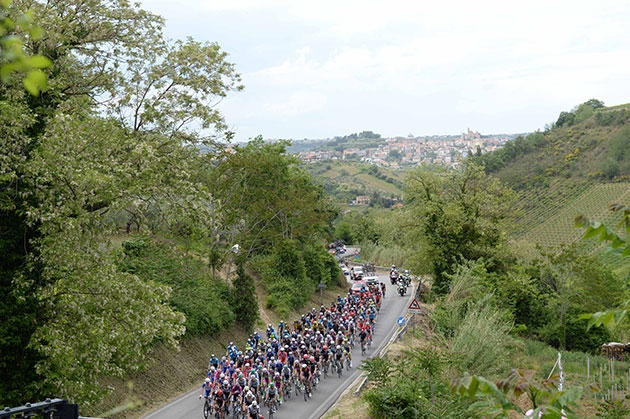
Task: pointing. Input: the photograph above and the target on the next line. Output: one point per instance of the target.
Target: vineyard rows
(558, 227)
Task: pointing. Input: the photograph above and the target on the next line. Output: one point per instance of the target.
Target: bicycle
(237, 409)
(305, 388)
(287, 390)
(363, 348)
(272, 407)
(339, 368)
(220, 413)
(325, 368)
(207, 408)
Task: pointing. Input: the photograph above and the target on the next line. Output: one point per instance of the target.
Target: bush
(286, 294)
(204, 302)
(284, 275)
(408, 397)
(243, 298)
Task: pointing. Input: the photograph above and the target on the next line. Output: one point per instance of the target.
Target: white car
(356, 273)
(371, 278)
(345, 270)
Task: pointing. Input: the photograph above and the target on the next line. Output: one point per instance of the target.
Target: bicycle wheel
(206, 409)
(305, 394)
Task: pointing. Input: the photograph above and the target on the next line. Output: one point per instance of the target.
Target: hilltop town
(398, 152)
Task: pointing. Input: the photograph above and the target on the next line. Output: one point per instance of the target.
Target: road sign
(321, 285)
(414, 307)
(401, 321)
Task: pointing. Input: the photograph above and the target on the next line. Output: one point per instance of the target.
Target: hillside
(573, 168)
(346, 180)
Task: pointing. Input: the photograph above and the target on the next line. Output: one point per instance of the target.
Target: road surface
(189, 406)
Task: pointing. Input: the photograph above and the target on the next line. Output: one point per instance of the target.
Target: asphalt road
(189, 406)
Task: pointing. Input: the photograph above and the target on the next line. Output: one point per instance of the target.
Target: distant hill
(346, 180)
(579, 166)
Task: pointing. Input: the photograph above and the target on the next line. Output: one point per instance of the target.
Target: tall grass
(482, 341)
(383, 255)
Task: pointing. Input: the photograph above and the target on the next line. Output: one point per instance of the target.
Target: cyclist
(236, 393)
(305, 376)
(338, 357)
(248, 399)
(272, 394)
(277, 382)
(253, 411)
(347, 352)
(219, 403)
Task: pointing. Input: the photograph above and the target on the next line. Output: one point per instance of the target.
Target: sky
(324, 68)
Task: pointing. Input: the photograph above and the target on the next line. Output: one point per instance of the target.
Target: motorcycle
(393, 277)
(402, 289)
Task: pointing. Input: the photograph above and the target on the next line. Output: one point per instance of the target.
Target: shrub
(204, 302)
(243, 298)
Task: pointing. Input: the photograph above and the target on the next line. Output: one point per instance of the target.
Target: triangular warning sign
(414, 305)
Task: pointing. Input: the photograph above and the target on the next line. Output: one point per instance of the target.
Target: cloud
(296, 103)
(415, 65)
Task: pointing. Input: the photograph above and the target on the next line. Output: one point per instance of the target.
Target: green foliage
(579, 113)
(288, 261)
(263, 197)
(404, 390)
(619, 245)
(618, 161)
(613, 409)
(482, 340)
(492, 399)
(243, 299)
(204, 302)
(68, 163)
(511, 151)
(453, 216)
(320, 265)
(12, 54)
(575, 282)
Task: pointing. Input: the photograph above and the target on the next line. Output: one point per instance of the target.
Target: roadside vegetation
(127, 220)
(512, 280)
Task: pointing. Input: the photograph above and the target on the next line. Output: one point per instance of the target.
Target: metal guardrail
(48, 409)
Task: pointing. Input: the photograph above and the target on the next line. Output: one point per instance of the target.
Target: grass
(539, 357)
(356, 176)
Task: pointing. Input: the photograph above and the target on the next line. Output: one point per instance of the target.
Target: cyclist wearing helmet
(206, 388)
(305, 375)
(253, 411)
(277, 381)
(248, 399)
(220, 403)
(272, 394)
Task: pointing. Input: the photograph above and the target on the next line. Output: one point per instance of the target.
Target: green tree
(109, 134)
(453, 216)
(263, 196)
(244, 301)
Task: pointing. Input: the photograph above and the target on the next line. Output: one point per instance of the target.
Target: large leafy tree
(264, 197)
(453, 216)
(114, 131)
